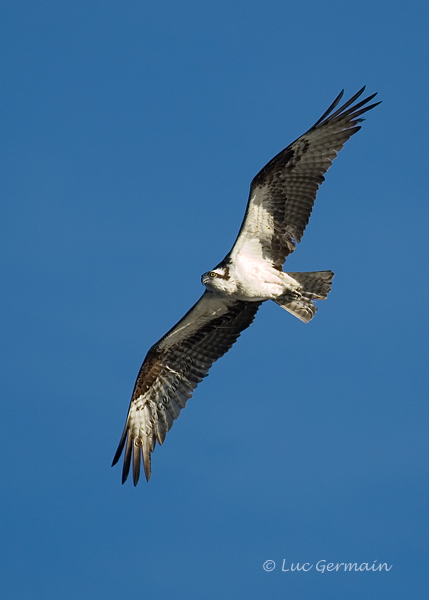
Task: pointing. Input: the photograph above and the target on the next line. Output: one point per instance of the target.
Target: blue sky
(130, 134)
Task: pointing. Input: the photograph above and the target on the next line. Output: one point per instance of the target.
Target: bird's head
(217, 280)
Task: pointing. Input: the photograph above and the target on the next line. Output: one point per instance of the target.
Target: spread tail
(315, 285)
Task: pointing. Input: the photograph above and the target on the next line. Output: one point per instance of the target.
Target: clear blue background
(130, 133)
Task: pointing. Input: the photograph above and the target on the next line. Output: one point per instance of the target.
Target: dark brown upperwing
(287, 186)
(172, 370)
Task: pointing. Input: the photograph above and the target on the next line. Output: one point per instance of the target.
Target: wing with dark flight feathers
(173, 368)
(283, 193)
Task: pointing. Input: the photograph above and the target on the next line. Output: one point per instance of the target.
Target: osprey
(280, 203)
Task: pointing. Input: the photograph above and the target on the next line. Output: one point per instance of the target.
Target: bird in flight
(280, 202)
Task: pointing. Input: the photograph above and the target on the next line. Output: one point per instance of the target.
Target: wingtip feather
(136, 461)
(346, 108)
(147, 458)
(120, 446)
(127, 459)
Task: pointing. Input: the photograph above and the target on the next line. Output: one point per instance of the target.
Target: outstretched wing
(173, 368)
(283, 193)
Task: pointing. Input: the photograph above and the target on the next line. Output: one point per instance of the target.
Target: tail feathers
(302, 308)
(315, 285)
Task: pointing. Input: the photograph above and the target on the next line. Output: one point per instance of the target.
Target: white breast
(255, 278)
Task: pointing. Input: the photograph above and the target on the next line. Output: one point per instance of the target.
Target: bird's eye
(212, 274)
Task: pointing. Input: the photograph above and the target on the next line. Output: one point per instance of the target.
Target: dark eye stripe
(225, 275)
